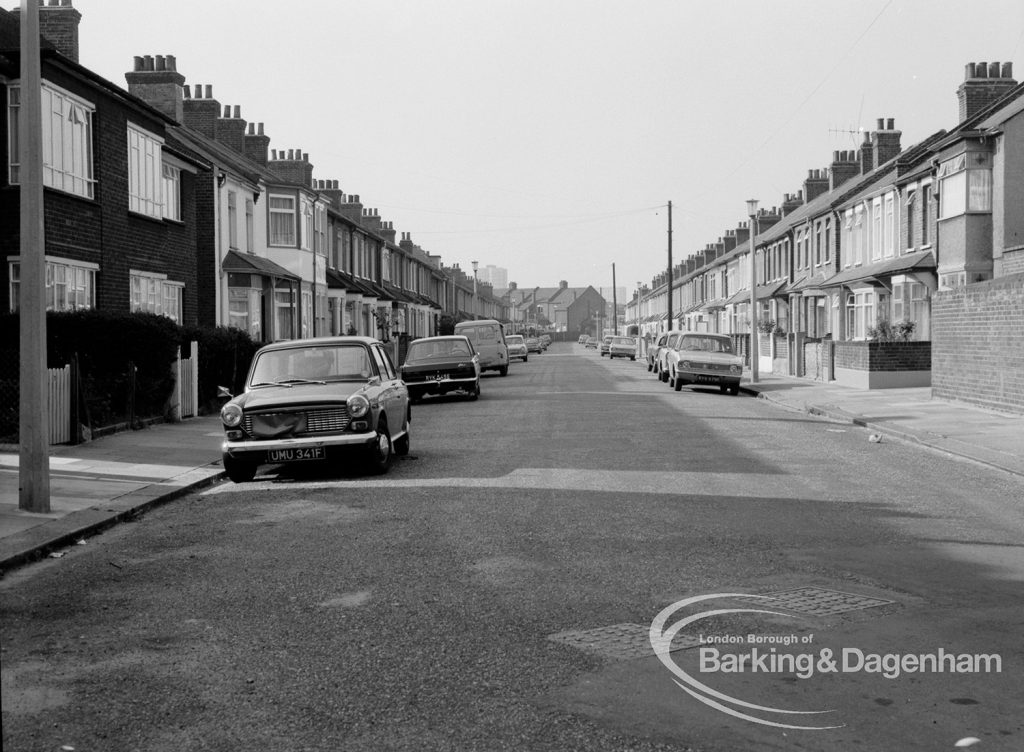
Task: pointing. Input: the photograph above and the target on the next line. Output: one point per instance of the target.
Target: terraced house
(159, 198)
(851, 269)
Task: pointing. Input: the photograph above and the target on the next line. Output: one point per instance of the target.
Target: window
(889, 225)
(172, 192)
(155, 293)
(285, 315)
(70, 285)
(965, 185)
(232, 220)
(145, 183)
(925, 214)
(320, 229)
(248, 225)
(282, 220)
(859, 313)
(877, 229)
(244, 293)
(66, 140)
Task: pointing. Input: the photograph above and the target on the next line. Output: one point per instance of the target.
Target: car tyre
(474, 393)
(239, 471)
(734, 389)
(503, 371)
(650, 367)
(632, 357)
(526, 360)
(379, 452)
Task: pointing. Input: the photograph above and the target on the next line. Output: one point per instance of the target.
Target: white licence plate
(295, 454)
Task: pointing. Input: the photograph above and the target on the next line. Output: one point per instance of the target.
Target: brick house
(119, 194)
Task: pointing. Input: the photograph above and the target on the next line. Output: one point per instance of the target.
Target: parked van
(488, 338)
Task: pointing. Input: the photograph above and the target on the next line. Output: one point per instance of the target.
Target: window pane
(979, 190)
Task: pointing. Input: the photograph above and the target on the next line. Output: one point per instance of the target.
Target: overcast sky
(547, 136)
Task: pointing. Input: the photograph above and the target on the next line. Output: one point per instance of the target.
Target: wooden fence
(186, 384)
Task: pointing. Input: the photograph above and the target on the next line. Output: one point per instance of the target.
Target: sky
(548, 136)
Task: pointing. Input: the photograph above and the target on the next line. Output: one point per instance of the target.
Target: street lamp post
(476, 265)
(752, 213)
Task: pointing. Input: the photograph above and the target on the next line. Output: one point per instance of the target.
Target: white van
(488, 338)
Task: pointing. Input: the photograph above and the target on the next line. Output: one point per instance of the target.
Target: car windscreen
(437, 349)
(314, 363)
(622, 341)
(706, 344)
(514, 339)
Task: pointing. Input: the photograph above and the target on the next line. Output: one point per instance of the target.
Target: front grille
(311, 421)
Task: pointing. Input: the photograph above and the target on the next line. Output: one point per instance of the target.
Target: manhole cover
(618, 641)
(822, 602)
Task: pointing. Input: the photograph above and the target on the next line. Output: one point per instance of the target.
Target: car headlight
(684, 364)
(734, 368)
(358, 405)
(231, 414)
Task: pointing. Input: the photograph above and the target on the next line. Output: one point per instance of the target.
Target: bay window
(69, 285)
(282, 220)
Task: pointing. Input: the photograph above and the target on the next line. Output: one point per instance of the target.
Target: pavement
(114, 478)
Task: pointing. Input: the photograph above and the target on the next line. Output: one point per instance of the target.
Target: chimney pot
(981, 70)
(1007, 70)
(969, 71)
(160, 63)
(227, 110)
(138, 63)
(890, 124)
(209, 91)
(238, 111)
(259, 129)
(147, 62)
(172, 62)
(993, 70)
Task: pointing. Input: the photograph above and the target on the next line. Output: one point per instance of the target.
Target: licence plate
(704, 378)
(295, 454)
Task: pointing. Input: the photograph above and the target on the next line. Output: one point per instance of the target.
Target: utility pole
(615, 304)
(668, 324)
(33, 455)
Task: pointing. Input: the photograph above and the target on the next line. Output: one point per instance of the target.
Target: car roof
(318, 341)
(460, 337)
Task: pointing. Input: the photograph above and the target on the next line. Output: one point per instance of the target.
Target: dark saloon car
(439, 365)
(317, 399)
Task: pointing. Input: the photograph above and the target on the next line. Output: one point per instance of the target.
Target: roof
(907, 262)
(247, 263)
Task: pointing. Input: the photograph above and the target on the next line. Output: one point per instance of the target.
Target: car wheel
(526, 360)
(239, 471)
(503, 371)
(474, 393)
(632, 357)
(663, 375)
(677, 383)
(650, 367)
(379, 452)
(734, 389)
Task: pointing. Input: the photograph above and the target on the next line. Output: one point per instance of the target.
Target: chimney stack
(155, 80)
(256, 145)
(984, 84)
(293, 167)
(843, 168)
(816, 184)
(885, 142)
(58, 24)
(231, 129)
(201, 113)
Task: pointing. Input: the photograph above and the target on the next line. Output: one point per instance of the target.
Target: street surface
(443, 606)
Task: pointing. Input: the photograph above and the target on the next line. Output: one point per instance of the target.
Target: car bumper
(439, 385)
(258, 450)
(714, 379)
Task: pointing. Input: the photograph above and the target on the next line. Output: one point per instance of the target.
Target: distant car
(605, 344)
(701, 358)
(545, 341)
(582, 339)
(440, 365)
(622, 347)
(661, 363)
(653, 350)
(516, 347)
(316, 399)
(488, 338)
(590, 342)
(533, 345)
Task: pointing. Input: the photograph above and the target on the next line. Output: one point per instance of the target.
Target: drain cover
(822, 602)
(618, 641)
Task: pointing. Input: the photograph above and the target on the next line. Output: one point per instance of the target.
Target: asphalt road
(495, 591)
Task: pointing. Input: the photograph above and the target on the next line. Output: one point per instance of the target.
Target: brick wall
(1013, 263)
(978, 343)
(884, 356)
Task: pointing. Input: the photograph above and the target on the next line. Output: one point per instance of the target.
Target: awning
(908, 262)
(767, 291)
(246, 263)
(743, 296)
(714, 305)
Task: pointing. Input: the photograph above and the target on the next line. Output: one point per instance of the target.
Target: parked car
(622, 347)
(661, 364)
(590, 342)
(605, 343)
(317, 399)
(701, 358)
(488, 338)
(654, 350)
(440, 365)
(582, 339)
(517, 347)
(533, 345)
(545, 341)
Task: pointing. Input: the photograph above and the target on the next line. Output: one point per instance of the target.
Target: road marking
(656, 482)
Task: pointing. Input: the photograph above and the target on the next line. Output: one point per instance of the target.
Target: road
(495, 590)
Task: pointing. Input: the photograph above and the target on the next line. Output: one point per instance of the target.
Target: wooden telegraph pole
(668, 323)
(615, 304)
(33, 467)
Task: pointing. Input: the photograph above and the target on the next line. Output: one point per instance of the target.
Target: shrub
(885, 331)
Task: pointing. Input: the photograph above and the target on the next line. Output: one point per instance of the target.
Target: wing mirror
(223, 393)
